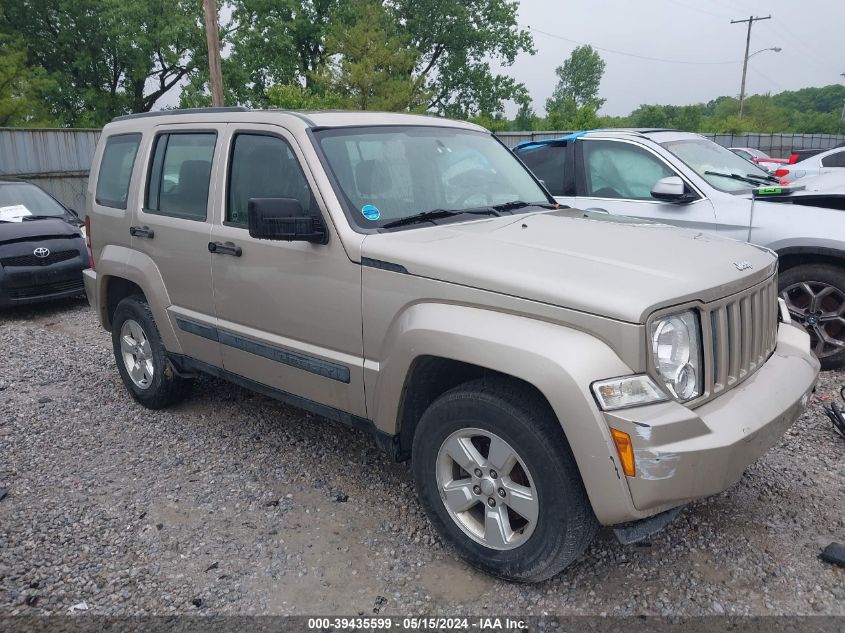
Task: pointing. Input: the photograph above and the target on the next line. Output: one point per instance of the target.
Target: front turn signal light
(625, 449)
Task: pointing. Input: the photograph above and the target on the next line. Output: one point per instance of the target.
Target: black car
(42, 248)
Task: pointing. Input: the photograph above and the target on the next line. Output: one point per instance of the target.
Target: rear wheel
(815, 296)
(141, 357)
(498, 480)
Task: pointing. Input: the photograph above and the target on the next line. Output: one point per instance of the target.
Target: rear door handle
(141, 231)
(224, 248)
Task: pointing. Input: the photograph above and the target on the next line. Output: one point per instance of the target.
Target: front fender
(560, 362)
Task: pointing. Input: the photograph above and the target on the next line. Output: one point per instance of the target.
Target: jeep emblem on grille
(41, 252)
(743, 265)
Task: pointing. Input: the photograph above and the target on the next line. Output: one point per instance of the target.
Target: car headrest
(372, 177)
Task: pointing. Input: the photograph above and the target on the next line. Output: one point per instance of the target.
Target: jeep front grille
(743, 334)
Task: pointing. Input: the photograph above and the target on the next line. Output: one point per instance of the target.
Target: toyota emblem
(41, 252)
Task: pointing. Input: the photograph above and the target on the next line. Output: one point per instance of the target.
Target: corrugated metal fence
(777, 145)
(59, 159)
(56, 159)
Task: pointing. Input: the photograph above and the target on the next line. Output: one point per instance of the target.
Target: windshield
(387, 174)
(19, 200)
(704, 156)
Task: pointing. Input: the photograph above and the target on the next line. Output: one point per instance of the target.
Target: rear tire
(141, 358)
(815, 296)
(481, 423)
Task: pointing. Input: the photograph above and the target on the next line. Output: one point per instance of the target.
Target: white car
(759, 158)
(832, 182)
(831, 161)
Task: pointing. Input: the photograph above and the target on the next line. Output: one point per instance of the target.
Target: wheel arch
(792, 256)
(122, 272)
(443, 345)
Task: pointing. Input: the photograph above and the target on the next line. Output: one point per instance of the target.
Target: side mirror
(283, 219)
(670, 189)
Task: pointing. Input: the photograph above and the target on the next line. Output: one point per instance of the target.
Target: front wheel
(815, 297)
(498, 480)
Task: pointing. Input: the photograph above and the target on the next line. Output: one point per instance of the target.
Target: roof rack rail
(143, 115)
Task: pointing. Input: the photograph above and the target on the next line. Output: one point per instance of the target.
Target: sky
(809, 32)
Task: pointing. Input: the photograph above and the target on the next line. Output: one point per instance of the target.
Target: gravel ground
(233, 503)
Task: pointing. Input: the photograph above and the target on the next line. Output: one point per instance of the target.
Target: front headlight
(676, 348)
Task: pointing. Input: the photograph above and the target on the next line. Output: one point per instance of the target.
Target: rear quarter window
(115, 172)
(837, 159)
(550, 163)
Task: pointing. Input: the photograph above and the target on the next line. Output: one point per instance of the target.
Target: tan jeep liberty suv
(547, 370)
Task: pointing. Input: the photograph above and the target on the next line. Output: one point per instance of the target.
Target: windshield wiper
(519, 204)
(766, 178)
(28, 218)
(437, 214)
(740, 177)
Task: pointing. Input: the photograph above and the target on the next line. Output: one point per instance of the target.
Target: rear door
(289, 313)
(833, 162)
(617, 176)
(173, 226)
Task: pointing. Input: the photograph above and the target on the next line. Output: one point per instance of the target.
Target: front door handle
(141, 231)
(224, 248)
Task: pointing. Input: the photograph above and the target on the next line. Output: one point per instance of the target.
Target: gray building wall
(57, 160)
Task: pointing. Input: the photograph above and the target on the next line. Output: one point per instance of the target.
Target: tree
(457, 41)
(22, 89)
(106, 57)
(371, 61)
(297, 42)
(525, 119)
(579, 80)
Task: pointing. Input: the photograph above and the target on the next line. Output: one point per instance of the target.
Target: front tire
(497, 479)
(141, 358)
(815, 296)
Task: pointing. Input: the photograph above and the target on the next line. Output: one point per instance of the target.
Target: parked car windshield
(19, 200)
(387, 174)
(707, 159)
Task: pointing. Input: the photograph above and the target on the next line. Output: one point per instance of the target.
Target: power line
(626, 54)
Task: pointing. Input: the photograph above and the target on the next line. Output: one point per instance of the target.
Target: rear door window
(550, 163)
(180, 174)
(116, 170)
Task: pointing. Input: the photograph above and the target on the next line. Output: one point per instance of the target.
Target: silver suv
(547, 370)
(686, 180)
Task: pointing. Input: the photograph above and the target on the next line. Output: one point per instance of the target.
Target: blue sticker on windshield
(371, 212)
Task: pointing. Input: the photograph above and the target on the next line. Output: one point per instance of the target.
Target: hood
(593, 262)
(37, 229)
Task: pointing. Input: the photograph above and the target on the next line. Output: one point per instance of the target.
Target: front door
(617, 176)
(289, 313)
(173, 227)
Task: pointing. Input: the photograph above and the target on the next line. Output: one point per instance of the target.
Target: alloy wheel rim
(820, 308)
(136, 353)
(487, 489)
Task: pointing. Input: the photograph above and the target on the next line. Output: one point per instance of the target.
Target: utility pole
(213, 39)
(751, 20)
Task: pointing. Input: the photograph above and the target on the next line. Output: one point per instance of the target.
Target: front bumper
(22, 285)
(684, 454)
